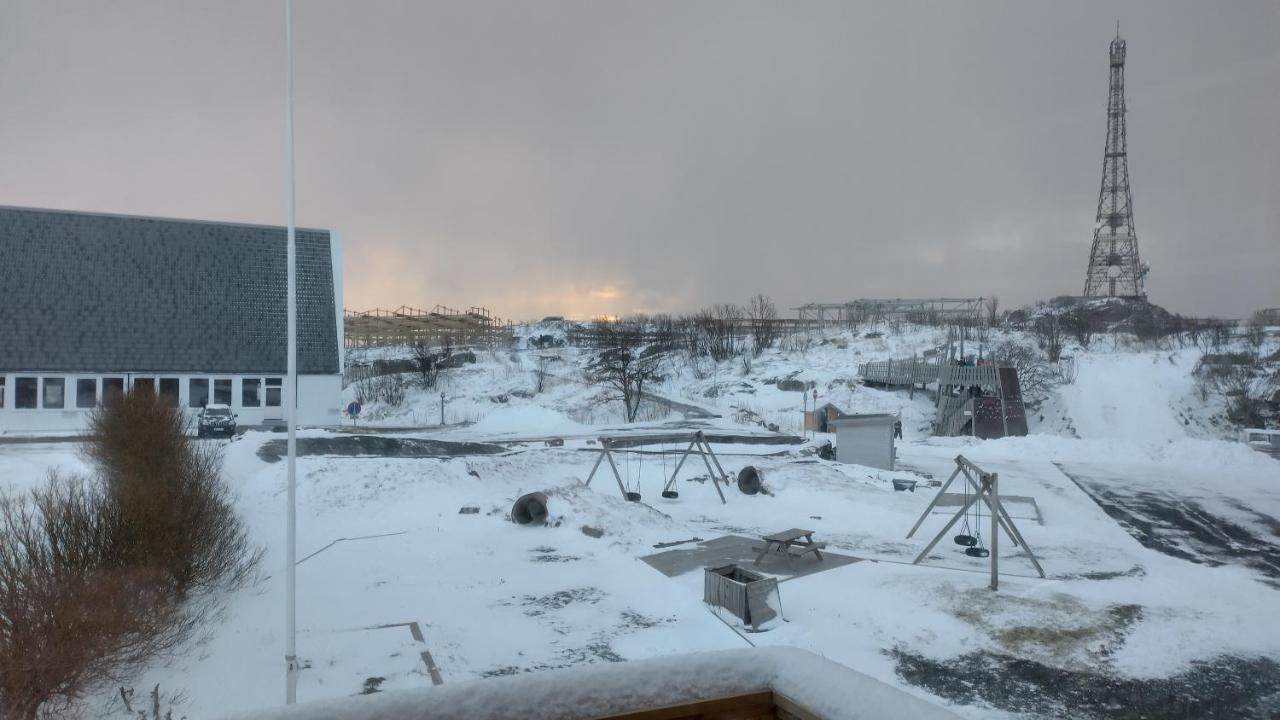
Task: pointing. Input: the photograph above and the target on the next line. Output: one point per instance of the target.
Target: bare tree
(763, 316)
(1048, 332)
(992, 306)
(542, 370)
(715, 332)
(626, 367)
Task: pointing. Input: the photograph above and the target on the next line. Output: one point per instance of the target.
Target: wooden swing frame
(696, 440)
(987, 489)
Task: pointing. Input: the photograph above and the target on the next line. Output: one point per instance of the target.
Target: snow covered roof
(824, 688)
(93, 292)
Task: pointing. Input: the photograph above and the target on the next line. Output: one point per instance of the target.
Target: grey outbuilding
(865, 439)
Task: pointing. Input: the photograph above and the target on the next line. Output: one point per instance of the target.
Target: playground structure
(986, 489)
(980, 400)
(411, 326)
(697, 445)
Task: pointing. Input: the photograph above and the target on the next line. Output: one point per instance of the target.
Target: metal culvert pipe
(749, 480)
(530, 509)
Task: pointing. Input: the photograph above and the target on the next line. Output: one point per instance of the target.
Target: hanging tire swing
(971, 538)
(671, 494)
(965, 538)
(628, 494)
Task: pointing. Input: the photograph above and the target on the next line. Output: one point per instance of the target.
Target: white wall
(319, 399)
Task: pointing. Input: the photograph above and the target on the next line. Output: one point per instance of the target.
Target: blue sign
(354, 408)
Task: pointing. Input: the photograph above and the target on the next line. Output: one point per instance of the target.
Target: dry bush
(1036, 377)
(98, 576)
(172, 510)
(1048, 331)
(72, 620)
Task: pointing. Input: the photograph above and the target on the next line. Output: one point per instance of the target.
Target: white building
(91, 303)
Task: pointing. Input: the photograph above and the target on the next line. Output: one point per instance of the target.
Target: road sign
(354, 408)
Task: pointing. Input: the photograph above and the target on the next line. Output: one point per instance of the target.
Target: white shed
(865, 439)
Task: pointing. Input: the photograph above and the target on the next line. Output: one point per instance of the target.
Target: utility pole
(441, 409)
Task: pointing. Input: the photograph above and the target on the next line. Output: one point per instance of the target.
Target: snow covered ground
(1173, 579)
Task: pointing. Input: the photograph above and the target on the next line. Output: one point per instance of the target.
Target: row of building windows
(51, 393)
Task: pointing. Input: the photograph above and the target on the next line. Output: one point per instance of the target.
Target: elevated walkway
(980, 400)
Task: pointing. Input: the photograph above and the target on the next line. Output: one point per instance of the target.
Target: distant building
(92, 303)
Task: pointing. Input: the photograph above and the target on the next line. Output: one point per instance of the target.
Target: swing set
(631, 490)
(986, 487)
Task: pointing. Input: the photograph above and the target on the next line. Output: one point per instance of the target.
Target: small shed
(865, 439)
(819, 419)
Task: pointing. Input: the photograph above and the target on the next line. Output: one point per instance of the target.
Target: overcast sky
(611, 157)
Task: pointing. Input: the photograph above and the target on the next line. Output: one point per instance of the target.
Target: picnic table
(792, 543)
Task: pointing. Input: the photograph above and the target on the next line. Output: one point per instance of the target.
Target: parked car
(216, 420)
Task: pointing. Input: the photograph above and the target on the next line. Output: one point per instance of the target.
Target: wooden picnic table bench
(792, 543)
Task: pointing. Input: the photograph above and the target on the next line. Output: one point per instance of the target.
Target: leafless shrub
(1082, 322)
(73, 617)
(1255, 331)
(392, 389)
(1048, 332)
(427, 360)
(1036, 377)
(172, 510)
(1235, 377)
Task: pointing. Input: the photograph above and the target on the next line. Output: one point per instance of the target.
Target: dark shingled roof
(88, 292)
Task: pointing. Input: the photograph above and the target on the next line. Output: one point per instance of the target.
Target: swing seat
(978, 552)
(632, 496)
(965, 540)
(670, 494)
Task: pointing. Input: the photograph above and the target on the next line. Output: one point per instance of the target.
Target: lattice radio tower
(1114, 268)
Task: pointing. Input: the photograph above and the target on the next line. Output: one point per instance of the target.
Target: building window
(222, 392)
(197, 392)
(54, 393)
(250, 392)
(26, 391)
(274, 386)
(86, 393)
(169, 391)
(111, 387)
(144, 384)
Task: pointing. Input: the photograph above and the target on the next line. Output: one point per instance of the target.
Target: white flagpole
(291, 397)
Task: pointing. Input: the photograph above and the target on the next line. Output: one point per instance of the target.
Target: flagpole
(291, 395)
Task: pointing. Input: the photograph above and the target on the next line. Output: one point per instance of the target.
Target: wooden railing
(905, 371)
